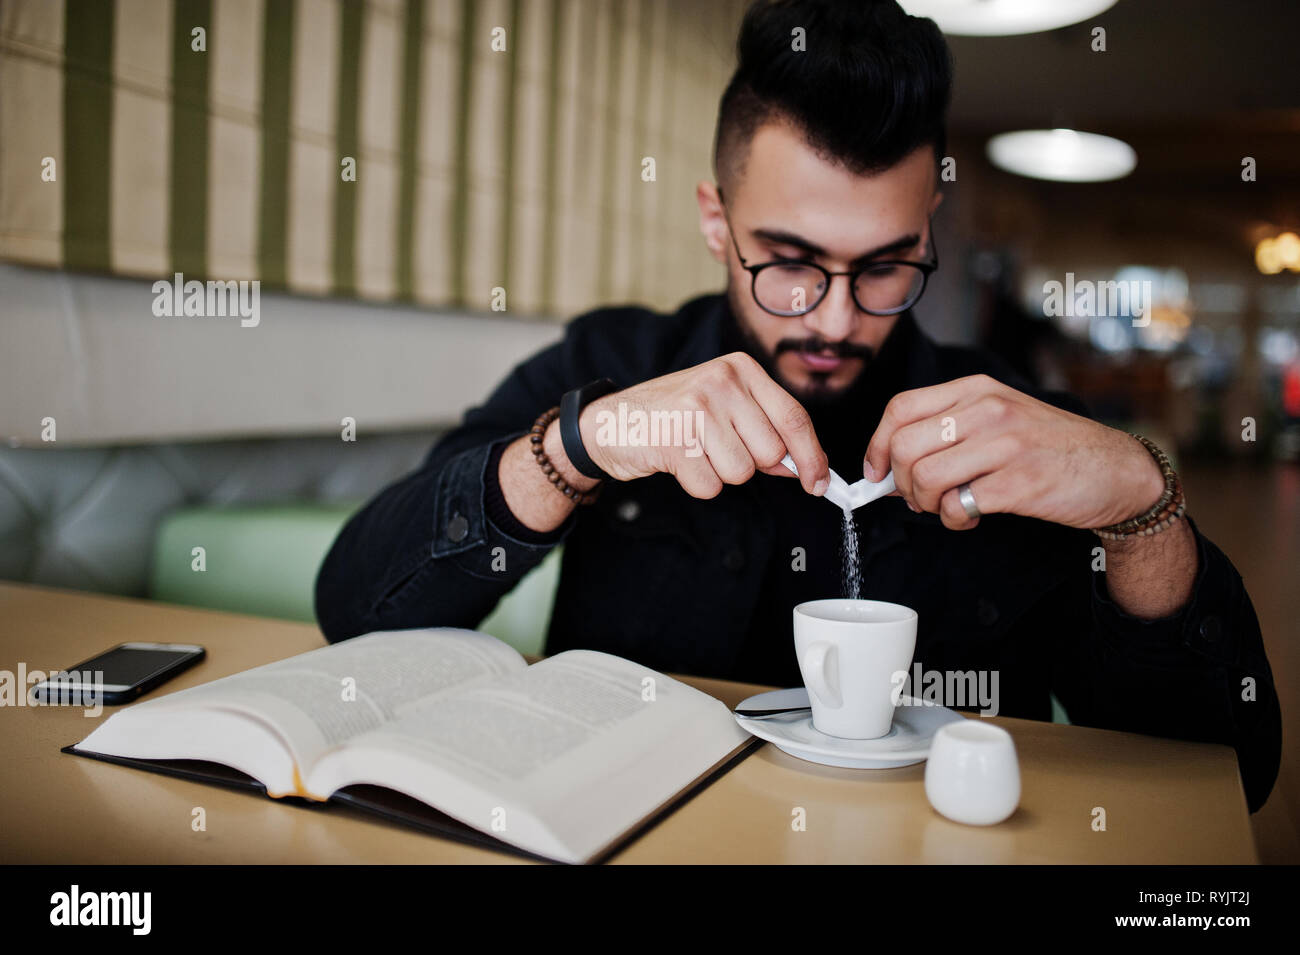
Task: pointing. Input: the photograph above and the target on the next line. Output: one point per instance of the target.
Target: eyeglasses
(793, 287)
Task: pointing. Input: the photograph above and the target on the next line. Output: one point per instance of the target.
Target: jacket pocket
(646, 510)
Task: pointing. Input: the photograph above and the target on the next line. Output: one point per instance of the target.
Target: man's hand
(732, 420)
(1018, 454)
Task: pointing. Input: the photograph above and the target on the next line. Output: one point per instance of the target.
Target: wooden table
(1166, 801)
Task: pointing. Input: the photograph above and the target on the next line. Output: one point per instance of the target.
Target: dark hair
(872, 85)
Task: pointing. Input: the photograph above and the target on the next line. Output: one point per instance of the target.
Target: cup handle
(819, 662)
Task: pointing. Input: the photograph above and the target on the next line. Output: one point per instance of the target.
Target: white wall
(89, 352)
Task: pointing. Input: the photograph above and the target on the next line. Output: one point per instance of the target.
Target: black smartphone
(118, 675)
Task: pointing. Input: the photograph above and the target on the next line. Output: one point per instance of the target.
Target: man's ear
(713, 225)
(936, 201)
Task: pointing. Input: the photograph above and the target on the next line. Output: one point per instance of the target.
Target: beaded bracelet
(535, 435)
(1163, 513)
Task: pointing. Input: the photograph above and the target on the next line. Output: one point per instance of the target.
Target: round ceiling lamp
(1062, 155)
(1272, 255)
(1004, 17)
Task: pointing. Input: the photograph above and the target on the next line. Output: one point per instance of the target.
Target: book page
(318, 699)
(584, 742)
(506, 731)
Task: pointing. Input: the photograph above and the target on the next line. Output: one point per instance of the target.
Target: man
(687, 556)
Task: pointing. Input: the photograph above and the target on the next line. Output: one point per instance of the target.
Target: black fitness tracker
(571, 406)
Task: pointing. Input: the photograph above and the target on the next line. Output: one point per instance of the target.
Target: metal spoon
(763, 714)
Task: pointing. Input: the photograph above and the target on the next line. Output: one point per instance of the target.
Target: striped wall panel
(210, 136)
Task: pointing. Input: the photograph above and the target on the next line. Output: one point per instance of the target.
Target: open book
(564, 759)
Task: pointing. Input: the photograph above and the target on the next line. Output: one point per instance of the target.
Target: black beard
(817, 395)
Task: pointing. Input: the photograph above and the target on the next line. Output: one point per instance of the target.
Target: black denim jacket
(651, 574)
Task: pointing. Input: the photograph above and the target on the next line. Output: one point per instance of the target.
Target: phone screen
(127, 666)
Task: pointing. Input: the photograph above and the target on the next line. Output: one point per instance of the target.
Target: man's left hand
(1018, 454)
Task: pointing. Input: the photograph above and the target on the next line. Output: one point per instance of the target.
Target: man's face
(790, 203)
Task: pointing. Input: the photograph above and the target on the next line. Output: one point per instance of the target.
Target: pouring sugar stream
(849, 497)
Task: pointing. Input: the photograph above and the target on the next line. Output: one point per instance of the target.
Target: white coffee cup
(972, 774)
(849, 652)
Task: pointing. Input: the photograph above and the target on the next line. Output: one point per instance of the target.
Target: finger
(937, 473)
(726, 452)
(696, 476)
(954, 515)
(910, 444)
(794, 425)
(994, 493)
(759, 436)
(914, 405)
(920, 440)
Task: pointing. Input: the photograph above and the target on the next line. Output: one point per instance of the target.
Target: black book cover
(394, 806)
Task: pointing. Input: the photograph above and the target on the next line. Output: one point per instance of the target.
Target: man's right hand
(741, 421)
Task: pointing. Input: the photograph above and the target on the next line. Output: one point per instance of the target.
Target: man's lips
(816, 362)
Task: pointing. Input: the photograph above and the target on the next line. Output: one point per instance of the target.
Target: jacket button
(733, 559)
(986, 611)
(457, 528)
(629, 511)
(1211, 629)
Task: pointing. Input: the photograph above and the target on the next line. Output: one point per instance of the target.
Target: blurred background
(427, 190)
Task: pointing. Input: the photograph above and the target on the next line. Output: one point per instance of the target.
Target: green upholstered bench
(263, 560)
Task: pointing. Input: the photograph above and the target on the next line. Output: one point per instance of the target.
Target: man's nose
(836, 316)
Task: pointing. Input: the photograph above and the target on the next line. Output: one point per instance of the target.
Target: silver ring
(968, 501)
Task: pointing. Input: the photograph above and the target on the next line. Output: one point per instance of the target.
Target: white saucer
(907, 742)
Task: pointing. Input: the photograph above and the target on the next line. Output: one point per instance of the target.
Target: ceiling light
(1004, 17)
(1288, 250)
(1266, 258)
(1063, 155)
